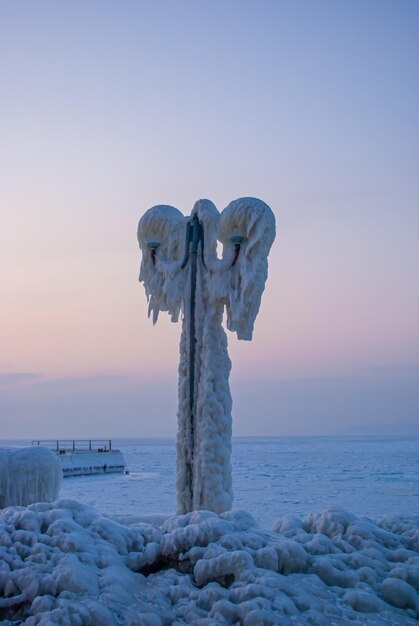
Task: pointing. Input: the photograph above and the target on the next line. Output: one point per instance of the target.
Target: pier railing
(63, 446)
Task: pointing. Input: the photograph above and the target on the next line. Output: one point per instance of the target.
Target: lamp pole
(231, 284)
(194, 236)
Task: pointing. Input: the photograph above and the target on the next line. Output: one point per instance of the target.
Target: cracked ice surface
(63, 563)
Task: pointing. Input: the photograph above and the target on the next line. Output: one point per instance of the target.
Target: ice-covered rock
(64, 564)
(28, 475)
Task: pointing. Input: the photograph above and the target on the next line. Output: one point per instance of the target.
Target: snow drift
(64, 564)
(28, 475)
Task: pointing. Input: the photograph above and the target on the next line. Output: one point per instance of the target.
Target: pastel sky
(108, 108)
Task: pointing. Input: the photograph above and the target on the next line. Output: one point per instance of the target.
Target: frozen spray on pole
(183, 275)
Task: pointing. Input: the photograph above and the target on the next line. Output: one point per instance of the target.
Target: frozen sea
(65, 563)
(272, 477)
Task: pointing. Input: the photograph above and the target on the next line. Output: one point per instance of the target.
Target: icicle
(28, 475)
(251, 222)
(160, 236)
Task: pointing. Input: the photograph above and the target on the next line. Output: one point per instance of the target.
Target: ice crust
(163, 282)
(62, 563)
(252, 219)
(204, 449)
(28, 475)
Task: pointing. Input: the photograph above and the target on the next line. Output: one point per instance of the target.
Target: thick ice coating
(64, 564)
(162, 228)
(28, 475)
(252, 221)
(247, 229)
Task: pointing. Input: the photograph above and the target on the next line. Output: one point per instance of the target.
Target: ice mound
(64, 564)
(28, 475)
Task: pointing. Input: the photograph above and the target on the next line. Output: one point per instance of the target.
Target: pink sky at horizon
(98, 124)
(71, 318)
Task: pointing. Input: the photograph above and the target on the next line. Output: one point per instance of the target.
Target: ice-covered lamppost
(183, 275)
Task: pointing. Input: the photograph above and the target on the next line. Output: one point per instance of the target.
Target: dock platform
(85, 456)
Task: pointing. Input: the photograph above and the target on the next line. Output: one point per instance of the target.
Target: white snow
(62, 563)
(28, 475)
(204, 447)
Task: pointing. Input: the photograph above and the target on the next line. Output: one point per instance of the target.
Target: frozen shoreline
(273, 477)
(63, 563)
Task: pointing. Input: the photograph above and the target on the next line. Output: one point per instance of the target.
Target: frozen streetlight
(182, 275)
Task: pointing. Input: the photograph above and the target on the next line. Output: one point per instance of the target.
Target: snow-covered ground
(65, 563)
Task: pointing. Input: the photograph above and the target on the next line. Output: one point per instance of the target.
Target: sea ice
(62, 563)
(28, 475)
